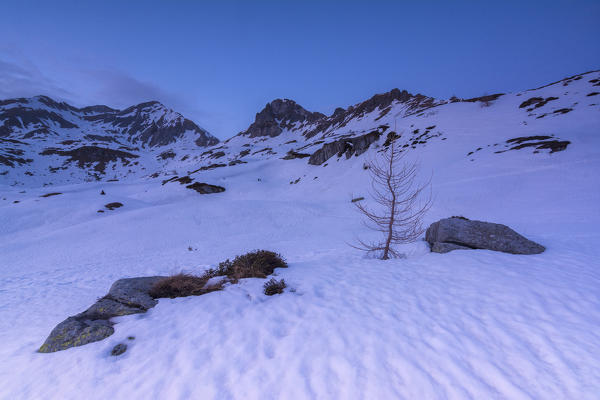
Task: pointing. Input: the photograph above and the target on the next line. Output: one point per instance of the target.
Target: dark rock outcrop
(84, 156)
(277, 115)
(126, 296)
(383, 102)
(356, 145)
(293, 155)
(539, 142)
(114, 205)
(205, 188)
(460, 233)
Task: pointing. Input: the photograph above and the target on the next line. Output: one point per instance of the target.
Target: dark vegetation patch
(256, 264)
(118, 349)
(244, 153)
(273, 286)
(593, 94)
(205, 188)
(183, 285)
(112, 206)
(50, 194)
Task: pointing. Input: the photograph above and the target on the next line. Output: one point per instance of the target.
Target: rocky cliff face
(279, 115)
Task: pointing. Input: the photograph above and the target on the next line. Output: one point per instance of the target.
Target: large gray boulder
(460, 233)
(126, 296)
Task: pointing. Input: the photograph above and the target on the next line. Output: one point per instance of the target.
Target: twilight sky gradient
(220, 62)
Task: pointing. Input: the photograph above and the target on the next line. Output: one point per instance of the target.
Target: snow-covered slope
(535, 122)
(467, 324)
(44, 142)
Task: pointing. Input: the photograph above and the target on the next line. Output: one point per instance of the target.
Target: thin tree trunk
(390, 232)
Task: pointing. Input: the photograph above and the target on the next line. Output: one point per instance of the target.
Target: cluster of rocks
(126, 296)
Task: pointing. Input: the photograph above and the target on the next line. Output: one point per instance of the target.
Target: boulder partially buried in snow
(126, 296)
(460, 233)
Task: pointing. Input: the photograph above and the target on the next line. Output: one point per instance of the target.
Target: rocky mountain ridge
(148, 140)
(43, 138)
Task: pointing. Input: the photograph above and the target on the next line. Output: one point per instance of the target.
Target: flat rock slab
(126, 296)
(460, 233)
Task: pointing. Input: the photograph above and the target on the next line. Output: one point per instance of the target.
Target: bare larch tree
(402, 202)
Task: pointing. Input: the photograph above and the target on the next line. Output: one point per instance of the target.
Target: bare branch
(404, 203)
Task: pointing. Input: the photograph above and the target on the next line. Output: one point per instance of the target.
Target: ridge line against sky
(220, 63)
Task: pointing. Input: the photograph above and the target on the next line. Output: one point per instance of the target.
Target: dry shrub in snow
(256, 264)
(182, 285)
(273, 286)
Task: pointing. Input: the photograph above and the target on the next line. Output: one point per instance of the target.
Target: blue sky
(220, 62)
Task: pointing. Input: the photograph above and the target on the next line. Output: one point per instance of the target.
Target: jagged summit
(278, 115)
(282, 114)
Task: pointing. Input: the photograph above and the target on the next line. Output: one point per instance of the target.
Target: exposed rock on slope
(382, 102)
(356, 145)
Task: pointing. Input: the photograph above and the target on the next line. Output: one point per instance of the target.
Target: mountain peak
(277, 115)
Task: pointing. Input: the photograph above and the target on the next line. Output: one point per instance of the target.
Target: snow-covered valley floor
(467, 324)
